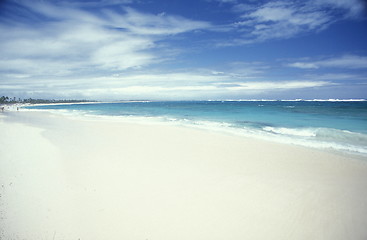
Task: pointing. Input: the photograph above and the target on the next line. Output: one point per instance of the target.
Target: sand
(68, 178)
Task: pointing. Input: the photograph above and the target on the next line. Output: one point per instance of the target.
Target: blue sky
(183, 49)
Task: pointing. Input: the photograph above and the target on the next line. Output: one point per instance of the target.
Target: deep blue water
(338, 126)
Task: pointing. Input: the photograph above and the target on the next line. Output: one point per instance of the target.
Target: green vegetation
(8, 100)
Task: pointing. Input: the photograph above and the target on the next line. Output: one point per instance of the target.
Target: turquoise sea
(330, 125)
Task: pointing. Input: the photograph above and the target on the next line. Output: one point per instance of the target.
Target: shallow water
(334, 125)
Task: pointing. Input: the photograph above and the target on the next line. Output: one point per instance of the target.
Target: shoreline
(269, 134)
(67, 178)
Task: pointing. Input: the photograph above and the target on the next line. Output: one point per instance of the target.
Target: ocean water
(332, 125)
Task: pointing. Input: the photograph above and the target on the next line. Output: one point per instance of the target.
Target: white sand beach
(65, 178)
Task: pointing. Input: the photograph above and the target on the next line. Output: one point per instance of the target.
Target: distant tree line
(9, 100)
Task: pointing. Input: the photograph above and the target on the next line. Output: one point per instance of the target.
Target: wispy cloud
(95, 3)
(149, 24)
(110, 50)
(344, 62)
(285, 19)
(175, 85)
(73, 41)
(64, 48)
(223, 1)
(335, 77)
(352, 8)
(281, 85)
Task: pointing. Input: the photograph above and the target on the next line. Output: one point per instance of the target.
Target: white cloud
(303, 65)
(273, 86)
(285, 19)
(337, 77)
(74, 41)
(74, 52)
(176, 85)
(223, 1)
(67, 54)
(149, 24)
(95, 3)
(346, 62)
(272, 12)
(243, 7)
(353, 8)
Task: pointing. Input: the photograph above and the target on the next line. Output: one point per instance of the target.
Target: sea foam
(330, 124)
